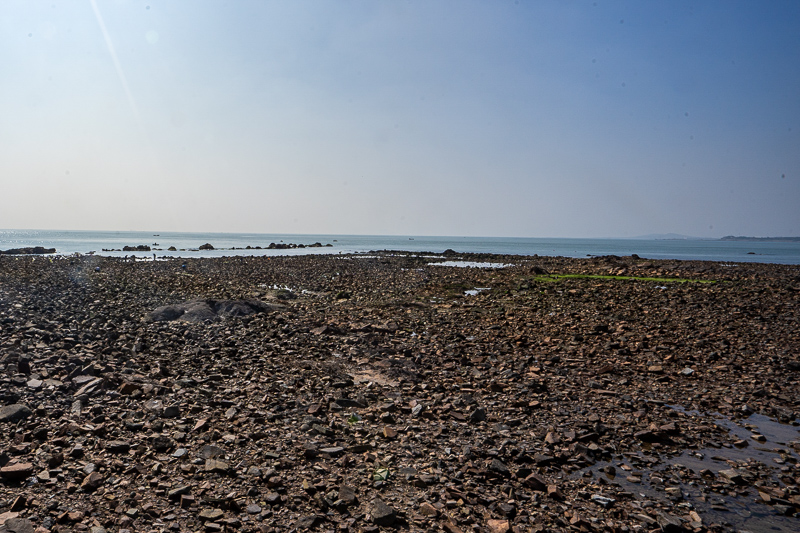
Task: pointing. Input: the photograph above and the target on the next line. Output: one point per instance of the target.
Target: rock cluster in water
(345, 393)
(34, 250)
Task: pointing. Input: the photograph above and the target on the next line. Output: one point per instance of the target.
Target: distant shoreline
(761, 239)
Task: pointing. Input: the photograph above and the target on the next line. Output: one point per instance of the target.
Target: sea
(111, 243)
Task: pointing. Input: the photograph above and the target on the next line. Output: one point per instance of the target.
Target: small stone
(211, 514)
(732, 475)
(552, 438)
(499, 467)
(347, 495)
(253, 509)
(18, 525)
(498, 526)
(187, 500)
(669, 523)
(213, 465)
(92, 482)
(118, 446)
(211, 452)
(307, 522)
(180, 453)
(16, 471)
(478, 415)
(333, 451)
(603, 501)
(555, 493)
(15, 412)
(536, 483)
(382, 514)
(177, 492)
(426, 509)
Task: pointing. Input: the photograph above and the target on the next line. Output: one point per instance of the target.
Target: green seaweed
(557, 277)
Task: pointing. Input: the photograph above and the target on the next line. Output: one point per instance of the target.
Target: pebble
(14, 412)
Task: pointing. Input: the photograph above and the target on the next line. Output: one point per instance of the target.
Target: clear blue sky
(489, 118)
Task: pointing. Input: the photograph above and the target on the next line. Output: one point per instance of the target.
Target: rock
(92, 482)
(733, 475)
(211, 452)
(382, 514)
(333, 451)
(16, 471)
(669, 523)
(478, 415)
(347, 495)
(198, 311)
(499, 467)
(14, 413)
(118, 446)
(214, 465)
(206, 246)
(498, 526)
(34, 250)
(307, 522)
(177, 492)
(426, 509)
(211, 514)
(18, 525)
(602, 501)
(536, 483)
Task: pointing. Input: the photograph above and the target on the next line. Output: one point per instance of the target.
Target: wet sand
(345, 393)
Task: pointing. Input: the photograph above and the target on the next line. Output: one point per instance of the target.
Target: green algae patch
(557, 277)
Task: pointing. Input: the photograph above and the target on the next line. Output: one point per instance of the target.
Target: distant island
(762, 239)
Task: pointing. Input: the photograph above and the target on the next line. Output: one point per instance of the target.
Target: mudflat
(367, 393)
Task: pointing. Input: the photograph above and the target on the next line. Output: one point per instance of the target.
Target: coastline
(188, 245)
(359, 392)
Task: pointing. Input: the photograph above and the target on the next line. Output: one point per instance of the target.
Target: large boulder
(208, 310)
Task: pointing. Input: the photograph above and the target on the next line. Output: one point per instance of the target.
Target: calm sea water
(187, 244)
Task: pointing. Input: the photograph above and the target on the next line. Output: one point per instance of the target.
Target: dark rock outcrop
(209, 310)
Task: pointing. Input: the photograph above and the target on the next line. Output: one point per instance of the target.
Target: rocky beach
(396, 391)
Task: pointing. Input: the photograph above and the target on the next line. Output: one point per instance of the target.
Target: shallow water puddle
(718, 483)
(476, 290)
(471, 264)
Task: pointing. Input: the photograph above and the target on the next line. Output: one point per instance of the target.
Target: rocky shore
(388, 392)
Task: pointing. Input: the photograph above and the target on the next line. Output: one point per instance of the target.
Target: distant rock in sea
(28, 251)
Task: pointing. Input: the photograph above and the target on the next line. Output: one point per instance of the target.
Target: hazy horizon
(596, 119)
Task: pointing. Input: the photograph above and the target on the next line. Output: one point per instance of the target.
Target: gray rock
(198, 311)
(19, 525)
(669, 523)
(15, 412)
(307, 522)
(347, 495)
(382, 513)
(478, 415)
(211, 452)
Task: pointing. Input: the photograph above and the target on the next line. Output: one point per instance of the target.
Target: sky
(449, 117)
